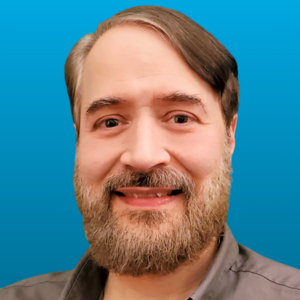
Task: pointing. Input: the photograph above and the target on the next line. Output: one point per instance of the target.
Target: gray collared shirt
(237, 273)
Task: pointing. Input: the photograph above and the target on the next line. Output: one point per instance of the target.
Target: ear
(75, 129)
(232, 129)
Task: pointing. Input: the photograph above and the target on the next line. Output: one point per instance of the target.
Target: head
(154, 99)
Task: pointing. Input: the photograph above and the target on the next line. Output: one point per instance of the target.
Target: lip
(145, 189)
(147, 202)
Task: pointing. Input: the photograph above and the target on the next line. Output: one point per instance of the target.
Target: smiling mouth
(147, 197)
(137, 192)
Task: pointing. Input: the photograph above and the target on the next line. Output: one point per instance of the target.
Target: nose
(145, 147)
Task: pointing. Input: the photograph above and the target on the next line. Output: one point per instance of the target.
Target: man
(154, 99)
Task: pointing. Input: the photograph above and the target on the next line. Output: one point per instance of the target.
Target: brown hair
(201, 51)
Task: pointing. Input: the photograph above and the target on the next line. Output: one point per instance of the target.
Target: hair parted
(204, 54)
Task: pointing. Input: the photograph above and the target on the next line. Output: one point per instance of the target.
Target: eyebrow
(172, 97)
(103, 102)
(183, 97)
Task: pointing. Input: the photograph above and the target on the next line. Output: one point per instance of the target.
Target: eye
(181, 119)
(108, 123)
(111, 123)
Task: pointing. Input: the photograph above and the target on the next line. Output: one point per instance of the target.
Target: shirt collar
(88, 279)
(216, 278)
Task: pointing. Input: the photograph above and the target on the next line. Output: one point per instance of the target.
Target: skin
(138, 65)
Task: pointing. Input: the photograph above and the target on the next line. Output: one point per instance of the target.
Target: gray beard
(153, 242)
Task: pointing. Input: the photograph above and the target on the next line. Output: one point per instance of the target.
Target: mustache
(159, 177)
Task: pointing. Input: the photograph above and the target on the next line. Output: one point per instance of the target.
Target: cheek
(200, 154)
(96, 159)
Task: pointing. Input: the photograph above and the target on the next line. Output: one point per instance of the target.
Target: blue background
(40, 225)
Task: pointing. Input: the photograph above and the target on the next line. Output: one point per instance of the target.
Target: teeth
(151, 195)
(161, 194)
(143, 195)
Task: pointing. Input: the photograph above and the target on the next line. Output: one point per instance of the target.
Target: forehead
(131, 61)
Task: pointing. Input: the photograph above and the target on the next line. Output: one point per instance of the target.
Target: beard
(153, 242)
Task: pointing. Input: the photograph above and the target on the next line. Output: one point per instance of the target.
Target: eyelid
(170, 115)
(188, 115)
(101, 121)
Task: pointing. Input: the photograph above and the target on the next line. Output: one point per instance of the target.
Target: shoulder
(265, 277)
(43, 287)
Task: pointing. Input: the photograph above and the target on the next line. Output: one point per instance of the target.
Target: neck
(177, 285)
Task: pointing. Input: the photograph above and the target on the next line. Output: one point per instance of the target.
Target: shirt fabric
(236, 273)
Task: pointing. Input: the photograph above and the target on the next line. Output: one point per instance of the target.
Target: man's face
(153, 158)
